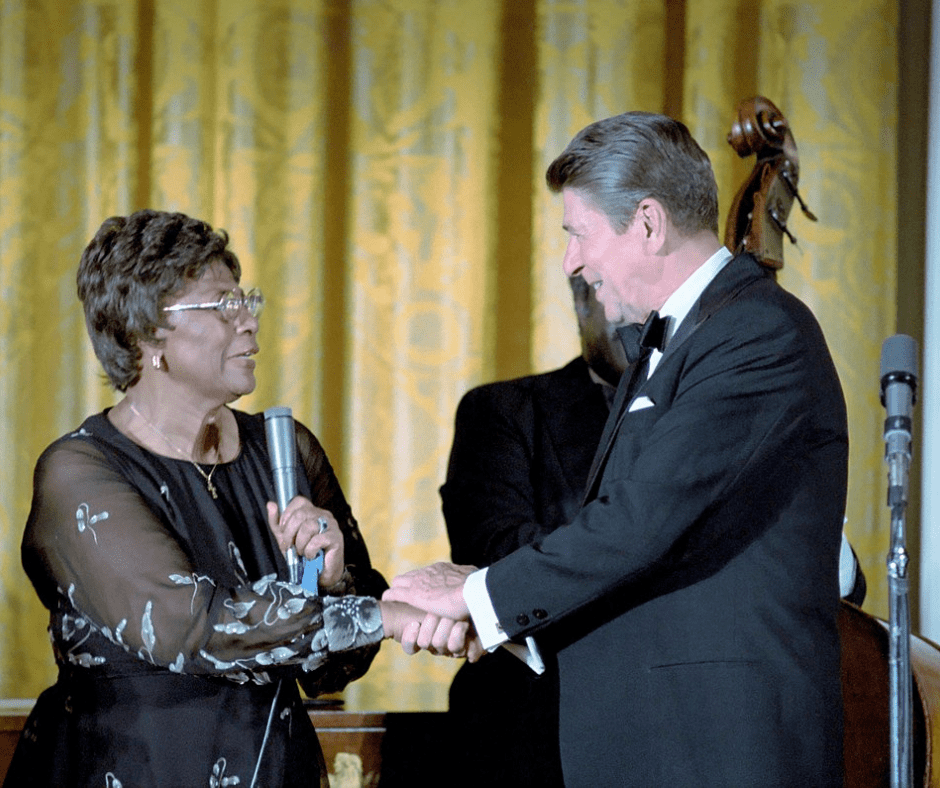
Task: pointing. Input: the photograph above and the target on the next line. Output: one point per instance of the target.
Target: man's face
(615, 264)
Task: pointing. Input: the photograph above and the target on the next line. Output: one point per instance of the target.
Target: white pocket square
(640, 403)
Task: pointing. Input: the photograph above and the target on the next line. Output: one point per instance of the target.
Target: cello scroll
(757, 220)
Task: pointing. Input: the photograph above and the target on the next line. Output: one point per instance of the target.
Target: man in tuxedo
(691, 603)
(521, 454)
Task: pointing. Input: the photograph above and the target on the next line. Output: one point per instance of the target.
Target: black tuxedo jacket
(693, 598)
(520, 459)
(518, 468)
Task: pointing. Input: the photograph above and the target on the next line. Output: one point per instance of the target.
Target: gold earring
(156, 361)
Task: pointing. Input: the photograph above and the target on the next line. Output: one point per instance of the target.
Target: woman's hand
(309, 529)
(417, 631)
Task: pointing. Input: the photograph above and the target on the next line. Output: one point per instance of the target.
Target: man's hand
(437, 588)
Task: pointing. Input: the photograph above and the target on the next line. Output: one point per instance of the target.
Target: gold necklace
(207, 476)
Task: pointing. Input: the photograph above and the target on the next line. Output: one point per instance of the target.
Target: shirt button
(522, 619)
(539, 613)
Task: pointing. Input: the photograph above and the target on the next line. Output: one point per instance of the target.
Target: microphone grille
(899, 355)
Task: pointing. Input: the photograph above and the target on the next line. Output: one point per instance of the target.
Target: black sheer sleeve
(118, 581)
(360, 577)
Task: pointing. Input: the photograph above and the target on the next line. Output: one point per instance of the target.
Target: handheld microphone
(898, 395)
(279, 429)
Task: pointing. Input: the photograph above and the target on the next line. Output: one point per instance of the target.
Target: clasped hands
(437, 617)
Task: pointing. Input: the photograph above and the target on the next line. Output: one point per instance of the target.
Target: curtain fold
(424, 83)
(594, 60)
(379, 165)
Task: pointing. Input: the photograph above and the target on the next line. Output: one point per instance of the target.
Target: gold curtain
(379, 166)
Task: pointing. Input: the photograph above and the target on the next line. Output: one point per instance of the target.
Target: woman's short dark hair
(129, 269)
(620, 161)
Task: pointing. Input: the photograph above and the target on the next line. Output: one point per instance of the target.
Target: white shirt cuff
(481, 611)
(847, 568)
(488, 627)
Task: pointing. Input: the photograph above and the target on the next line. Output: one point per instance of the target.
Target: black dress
(178, 640)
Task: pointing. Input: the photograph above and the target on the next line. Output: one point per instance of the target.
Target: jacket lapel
(628, 383)
(722, 290)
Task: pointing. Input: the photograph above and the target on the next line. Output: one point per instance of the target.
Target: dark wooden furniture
(351, 741)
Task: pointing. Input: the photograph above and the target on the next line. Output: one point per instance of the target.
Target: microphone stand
(899, 653)
(898, 392)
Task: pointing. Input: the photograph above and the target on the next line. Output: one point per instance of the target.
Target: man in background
(518, 467)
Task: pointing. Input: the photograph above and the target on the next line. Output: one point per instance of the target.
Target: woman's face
(206, 354)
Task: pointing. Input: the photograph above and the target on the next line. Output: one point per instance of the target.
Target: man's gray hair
(618, 162)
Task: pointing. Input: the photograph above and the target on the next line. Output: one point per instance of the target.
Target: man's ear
(655, 223)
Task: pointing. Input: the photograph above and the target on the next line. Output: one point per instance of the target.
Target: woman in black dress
(154, 544)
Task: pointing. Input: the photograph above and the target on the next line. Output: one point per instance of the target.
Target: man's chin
(613, 313)
(621, 314)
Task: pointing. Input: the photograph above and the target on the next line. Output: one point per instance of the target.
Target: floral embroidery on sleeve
(85, 522)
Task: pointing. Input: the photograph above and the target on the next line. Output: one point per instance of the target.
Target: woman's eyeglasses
(229, 306)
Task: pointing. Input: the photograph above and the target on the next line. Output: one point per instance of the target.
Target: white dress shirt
(680, 303)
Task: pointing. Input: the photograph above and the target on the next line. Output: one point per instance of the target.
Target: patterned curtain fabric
(379, 166)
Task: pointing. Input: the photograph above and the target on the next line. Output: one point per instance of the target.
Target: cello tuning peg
(788, 179)
(782, 225)
(807, 212)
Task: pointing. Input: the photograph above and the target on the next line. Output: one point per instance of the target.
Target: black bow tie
(651, 335)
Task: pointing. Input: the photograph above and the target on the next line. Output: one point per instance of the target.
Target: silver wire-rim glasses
(229, 305)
